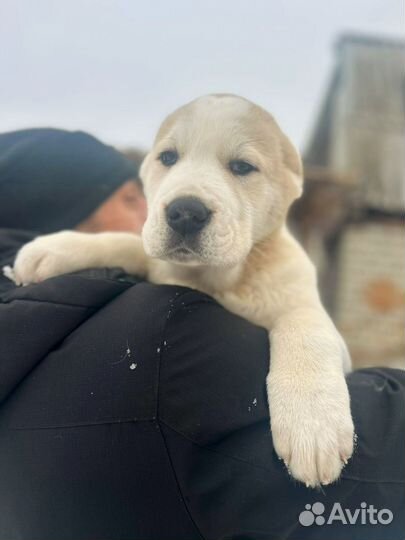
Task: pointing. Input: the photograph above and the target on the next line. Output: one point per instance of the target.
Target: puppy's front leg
(68, 251)
(311, 422)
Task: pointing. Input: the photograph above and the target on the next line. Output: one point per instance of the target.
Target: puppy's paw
(312, 429)
(45, 257)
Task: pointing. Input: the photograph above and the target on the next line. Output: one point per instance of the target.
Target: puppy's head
(219, 178)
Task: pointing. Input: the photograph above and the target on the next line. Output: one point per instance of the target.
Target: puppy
(219, 181)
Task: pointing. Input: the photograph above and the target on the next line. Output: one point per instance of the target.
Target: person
(52, 179)
(135, 411)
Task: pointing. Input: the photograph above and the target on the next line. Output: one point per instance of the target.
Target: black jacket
(131, 411)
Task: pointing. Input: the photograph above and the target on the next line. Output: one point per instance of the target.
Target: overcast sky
(116, 67)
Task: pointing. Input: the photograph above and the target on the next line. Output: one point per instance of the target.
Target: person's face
(125, 210)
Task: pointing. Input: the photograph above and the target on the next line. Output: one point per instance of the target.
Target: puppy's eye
(168, 157)
(241, 168)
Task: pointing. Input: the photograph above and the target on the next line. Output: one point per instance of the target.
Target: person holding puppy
(118, 418)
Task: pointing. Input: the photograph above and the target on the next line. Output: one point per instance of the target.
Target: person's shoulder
(213, 368)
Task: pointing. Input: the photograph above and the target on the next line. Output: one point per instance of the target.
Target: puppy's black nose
(187, 215)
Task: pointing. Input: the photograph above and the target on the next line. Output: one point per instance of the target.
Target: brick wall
(370, 293)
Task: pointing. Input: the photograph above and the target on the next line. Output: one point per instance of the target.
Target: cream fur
(246, 259)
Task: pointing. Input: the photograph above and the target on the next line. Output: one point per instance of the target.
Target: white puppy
(219, 181)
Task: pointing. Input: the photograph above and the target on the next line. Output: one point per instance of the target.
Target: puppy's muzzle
(187, 216)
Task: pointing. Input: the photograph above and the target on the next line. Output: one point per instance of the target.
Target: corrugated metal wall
(368, 123)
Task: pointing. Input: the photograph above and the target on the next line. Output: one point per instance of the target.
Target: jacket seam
(162, 345)
(178, 484)
(40, 301)
(261, 467)
(67, 304)
(89, 310)
(83, 424)
(209, 449)
(169, 315)
(124, 286)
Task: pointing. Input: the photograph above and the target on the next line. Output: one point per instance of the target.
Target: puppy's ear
(298, 184)
(293, 165)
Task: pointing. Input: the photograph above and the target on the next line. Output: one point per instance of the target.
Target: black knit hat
(52, 179)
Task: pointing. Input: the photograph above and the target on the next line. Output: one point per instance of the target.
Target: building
(351, 216)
